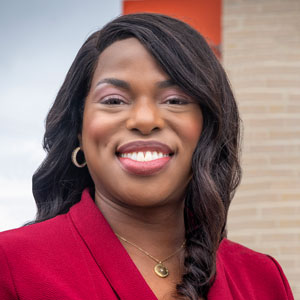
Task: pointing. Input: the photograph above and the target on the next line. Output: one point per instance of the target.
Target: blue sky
(39, 40)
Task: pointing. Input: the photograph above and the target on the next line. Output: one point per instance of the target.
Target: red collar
(108, 252)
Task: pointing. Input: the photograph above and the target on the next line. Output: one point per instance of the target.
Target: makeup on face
(144, 157)
(139, 129)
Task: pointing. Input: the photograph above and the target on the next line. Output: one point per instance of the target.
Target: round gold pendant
(161, 271)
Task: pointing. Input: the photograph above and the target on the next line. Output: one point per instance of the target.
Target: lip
(144, 146)
(145, 168)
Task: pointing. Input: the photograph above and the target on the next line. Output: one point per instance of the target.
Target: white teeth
(141, 156)
(154, 155)
(148, 156)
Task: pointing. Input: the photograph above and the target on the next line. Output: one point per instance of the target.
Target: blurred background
(258, 42)
(39, 41)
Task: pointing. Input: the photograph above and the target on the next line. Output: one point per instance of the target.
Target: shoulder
(232, 253)
(35, 240)
(34, 233)
(253, 270)
(235, 256)
(25, 249)
(238, 253)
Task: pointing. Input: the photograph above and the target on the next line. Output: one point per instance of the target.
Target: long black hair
(185, 56)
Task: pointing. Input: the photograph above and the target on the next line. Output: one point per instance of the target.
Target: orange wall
(203, 15)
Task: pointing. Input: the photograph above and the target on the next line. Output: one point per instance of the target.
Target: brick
(279, 6)
(291, 184)
(294, 97)
(285, 135)
(277, 109)
(294, 108)
(255, 197)
(248, 225)
(258, 172)
(284, 210)
(284, 21)
(274, 122)
(283, 83)
(244, 212)
(253, 109)
(290, 250)
(287, 149)
(261, 98)
(276, 237)
(241, 9)
(290, 223)
(250, 161)
(262, 58)
(290, 197)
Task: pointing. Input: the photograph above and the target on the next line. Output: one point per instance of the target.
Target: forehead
(127, 56)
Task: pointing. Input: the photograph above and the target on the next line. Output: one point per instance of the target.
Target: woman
(142, 142)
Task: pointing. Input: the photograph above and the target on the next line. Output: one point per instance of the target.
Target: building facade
(261, 54)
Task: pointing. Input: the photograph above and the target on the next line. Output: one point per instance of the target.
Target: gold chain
(147, 253)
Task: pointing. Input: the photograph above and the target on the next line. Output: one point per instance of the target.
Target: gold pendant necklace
(159, 269)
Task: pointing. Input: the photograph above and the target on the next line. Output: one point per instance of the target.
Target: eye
(177, 101)
(113, 100)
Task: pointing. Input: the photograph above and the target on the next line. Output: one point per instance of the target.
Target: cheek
(191, 130)
(96, 129)
(92, 129)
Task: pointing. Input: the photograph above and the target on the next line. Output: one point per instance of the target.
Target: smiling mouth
(144, 163)
(144, 156)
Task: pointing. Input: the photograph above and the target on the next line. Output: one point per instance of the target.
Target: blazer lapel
(108, 252)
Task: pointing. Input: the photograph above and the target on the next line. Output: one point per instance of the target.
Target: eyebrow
(125, 85)
(166, 83)
(116, 82)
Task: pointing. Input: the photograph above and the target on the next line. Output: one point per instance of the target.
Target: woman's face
(139, 129)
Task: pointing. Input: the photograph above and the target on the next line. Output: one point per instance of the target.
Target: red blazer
(76, 256)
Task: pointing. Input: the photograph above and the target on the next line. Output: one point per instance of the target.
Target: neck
(158, 229)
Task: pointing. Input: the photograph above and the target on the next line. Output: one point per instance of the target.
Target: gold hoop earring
(74, 158)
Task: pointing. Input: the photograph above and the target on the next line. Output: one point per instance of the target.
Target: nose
(145, 117)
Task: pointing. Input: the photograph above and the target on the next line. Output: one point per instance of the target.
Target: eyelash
(181, 100)
(113, 100)
(109, 100)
